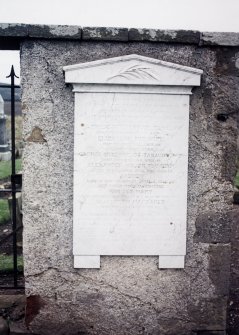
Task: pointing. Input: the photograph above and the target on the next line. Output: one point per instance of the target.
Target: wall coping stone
(13, 33)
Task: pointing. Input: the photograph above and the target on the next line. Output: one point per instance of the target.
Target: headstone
(5, 154)
(130, 159)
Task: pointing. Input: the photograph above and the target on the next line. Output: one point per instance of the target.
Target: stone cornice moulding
(132, 70)
(132, 89)
(12, 34)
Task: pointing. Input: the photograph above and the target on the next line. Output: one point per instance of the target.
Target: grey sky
(204, 15)
(219, 15)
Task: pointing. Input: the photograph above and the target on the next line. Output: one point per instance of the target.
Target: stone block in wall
(219, 267)
(213, 227)
(211, 332)
(13, 30)
(103, 33)
(155, 35)
(220, 38)
(54, 31)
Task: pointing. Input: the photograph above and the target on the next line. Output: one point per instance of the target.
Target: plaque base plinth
(171, 262)
(93, 262)
(87, 262)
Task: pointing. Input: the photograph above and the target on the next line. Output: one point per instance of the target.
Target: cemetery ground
(12, 302)
(6, 263)
(6, 245)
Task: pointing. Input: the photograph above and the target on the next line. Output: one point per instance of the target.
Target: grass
(18, 127)
(4, 211)
(5, 172)
(6, 263)
(5, 168)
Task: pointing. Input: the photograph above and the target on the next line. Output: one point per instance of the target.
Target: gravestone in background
(5, 154)
(130, 158)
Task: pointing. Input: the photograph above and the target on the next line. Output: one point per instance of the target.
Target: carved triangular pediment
(132, 70)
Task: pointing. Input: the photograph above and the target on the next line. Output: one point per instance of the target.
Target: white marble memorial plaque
(130, 159)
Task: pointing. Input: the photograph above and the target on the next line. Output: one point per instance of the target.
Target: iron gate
(12, 279)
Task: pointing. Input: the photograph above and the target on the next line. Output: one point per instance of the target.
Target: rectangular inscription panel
(130, 174)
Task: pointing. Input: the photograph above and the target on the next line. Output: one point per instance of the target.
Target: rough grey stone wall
(128, 295)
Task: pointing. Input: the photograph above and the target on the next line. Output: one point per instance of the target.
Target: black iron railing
(16, 184)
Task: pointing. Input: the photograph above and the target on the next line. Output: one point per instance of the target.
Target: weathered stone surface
(218, 38)
(211, 332)
(174, 36)
(229, 163)
(213, 227)
(128, 295)
(54, 31)
(13, 308)
(219, 268)
(36, 136)
(233, 301)
(105, 34)
(13, 30)
(213, 309)
(33, 307)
